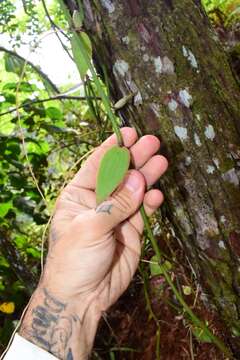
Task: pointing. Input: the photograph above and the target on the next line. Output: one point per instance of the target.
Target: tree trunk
(167, 53)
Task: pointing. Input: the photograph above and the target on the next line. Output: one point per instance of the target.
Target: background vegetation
(44, 131)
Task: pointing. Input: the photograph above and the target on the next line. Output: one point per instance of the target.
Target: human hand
(94, 251)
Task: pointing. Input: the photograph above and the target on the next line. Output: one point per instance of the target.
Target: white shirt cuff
(24, 349)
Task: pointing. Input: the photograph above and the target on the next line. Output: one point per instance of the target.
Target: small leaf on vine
(113, 167)
(77, 54)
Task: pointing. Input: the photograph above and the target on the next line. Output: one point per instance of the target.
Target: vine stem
(100, 90)
(178, 296)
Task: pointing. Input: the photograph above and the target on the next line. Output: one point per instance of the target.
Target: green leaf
(113, 167)
(156, 269)
(13, 64)
(77, 19)
(34, 252)
(201, 335)
(80, 61)
(5, 207)
(54, 113)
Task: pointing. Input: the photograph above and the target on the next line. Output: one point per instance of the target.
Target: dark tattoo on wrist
(50, 328)
(70, 355)
(104, 208)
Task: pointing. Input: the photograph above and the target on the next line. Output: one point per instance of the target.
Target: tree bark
(167, 53)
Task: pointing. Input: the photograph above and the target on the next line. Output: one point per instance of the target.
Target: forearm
(64, 329)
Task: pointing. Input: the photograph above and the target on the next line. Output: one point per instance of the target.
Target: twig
(39, 101)
(56, 28)
(36, 68)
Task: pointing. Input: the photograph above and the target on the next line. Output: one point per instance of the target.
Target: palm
(110, 261)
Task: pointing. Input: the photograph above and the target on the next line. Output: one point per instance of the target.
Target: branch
(57, 97)
(39, 71)
(54, 27)
(18, 265)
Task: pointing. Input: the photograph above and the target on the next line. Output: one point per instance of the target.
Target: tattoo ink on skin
(69, 355)
(104, 208)
(50, 329)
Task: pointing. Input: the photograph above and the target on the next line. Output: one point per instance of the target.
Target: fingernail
(132, 182)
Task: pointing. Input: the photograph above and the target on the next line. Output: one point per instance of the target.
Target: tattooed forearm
(104, 208)
(51, 327)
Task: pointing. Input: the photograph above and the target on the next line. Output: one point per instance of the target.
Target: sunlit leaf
(54, 113)
(34, 252)
(113, 167)
(5, 207)
(13, 64)
(7, 307)
(78, 57)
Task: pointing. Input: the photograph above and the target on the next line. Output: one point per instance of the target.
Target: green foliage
(55, 135)
(156, 269)
(13, 64)
(223, 12)
(201, 335)
(113, 168)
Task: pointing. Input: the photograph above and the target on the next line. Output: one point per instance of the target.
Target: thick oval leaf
(113, 167)
(79, 59)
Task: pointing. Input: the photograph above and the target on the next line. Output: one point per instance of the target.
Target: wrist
(66, 329)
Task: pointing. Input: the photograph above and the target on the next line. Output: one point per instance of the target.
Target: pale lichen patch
(231, 177)
(126, 40)
(190, 57)
(216, 162)
(188, 161)
(108, 5)
(138, 99)
(223, 219)
(210, 169)
(181, 132)
(145, 57)
(158, 65)
(121, 67)
(221, 244)
(197, 139)
(155, 109)
(168, 67)
(172, 105)
(209, 132)
(163, 66)
(185, 98)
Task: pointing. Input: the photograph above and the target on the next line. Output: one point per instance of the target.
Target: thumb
(123, 203)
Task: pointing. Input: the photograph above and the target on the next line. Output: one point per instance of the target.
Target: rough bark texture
(167, 53)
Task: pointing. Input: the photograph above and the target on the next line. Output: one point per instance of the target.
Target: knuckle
(123, 202)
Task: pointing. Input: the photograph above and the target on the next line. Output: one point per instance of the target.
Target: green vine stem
(107, 104)
(197, 322)
(101, 93)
